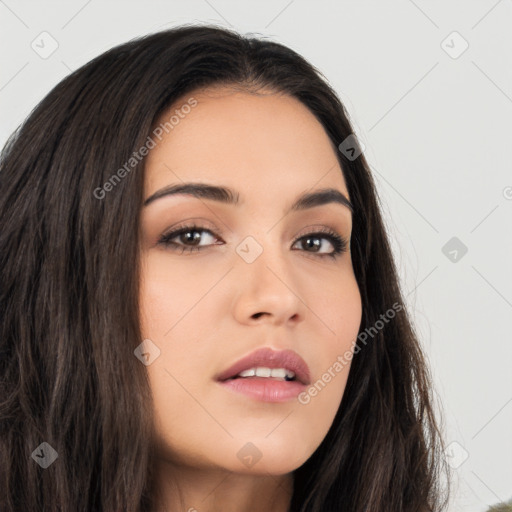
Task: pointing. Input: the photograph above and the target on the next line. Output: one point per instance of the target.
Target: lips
(266, 357)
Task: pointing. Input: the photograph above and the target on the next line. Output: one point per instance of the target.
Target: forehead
(264, 143)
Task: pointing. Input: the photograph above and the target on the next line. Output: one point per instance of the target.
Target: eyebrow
(229, 196)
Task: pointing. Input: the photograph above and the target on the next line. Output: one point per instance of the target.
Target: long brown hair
(69, 278)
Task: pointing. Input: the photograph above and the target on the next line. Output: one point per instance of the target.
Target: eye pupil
(195, 238)
(315, 244)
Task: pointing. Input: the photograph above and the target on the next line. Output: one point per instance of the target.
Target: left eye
(314, 241)
(190, 238)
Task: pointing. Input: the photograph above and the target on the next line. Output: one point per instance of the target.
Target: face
(240, 277)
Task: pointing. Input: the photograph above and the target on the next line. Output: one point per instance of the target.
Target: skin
(200, 308)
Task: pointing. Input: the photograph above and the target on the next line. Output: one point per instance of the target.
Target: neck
(190, 489)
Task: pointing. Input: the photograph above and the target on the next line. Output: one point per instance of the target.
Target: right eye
(188, 243)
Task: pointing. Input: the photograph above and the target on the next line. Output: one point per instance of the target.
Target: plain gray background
(435, 118)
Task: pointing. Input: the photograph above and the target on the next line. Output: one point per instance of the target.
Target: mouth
(267, 375)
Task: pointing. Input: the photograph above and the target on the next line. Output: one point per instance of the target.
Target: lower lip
(265, 389)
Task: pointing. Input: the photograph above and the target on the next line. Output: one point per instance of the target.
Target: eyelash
(339, 243)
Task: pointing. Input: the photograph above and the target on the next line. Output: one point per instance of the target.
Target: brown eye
(188, 238)
(314, 241)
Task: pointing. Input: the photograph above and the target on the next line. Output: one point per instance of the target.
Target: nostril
(257, 315)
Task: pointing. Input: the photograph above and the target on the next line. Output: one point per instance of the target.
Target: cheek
(175, 315)
(335, 306)
(169, 293)
(339, 311)
(157, 297)
(176, 320)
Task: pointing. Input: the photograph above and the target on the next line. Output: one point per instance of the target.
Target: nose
(267, 290)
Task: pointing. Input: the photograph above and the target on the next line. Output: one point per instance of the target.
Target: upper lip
(269, 358)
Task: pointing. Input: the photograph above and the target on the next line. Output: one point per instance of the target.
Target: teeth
(261, 371)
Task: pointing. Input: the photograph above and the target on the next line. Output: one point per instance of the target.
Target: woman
(200, 310)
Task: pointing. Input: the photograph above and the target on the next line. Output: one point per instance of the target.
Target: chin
(277, 456)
